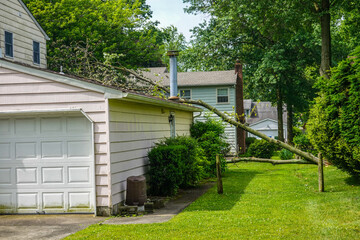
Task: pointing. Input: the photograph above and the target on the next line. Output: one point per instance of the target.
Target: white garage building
(68, 145)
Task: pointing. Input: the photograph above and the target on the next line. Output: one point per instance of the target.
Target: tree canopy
(88, 29)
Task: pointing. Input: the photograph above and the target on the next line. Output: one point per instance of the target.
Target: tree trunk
(272, 161)
(325, 39)
(307, 156)
(321, 173)
(218, 174)
(280, 114)
(240, 133)
(290, 134)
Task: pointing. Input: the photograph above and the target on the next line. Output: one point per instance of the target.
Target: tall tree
(284, 35)
(119, 27)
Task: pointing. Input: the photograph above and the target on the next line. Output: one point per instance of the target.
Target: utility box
(136, 191)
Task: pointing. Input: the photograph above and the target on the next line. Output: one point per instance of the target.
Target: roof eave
(161, 103)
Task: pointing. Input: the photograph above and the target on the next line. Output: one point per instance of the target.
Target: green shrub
(335, 118)
(210, 125)
(286, 154)
(211, 138)
(302, 142)
(261, 149)
(249, 141)
(213, 145)
(166, 169)
(194, 159)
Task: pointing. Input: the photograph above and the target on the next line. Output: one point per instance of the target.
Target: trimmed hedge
(166, 169)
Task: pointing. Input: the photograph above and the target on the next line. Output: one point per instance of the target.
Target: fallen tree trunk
(272, 161)
(307, 156)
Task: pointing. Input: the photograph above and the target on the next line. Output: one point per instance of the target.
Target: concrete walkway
(53, 227)
(172, 208)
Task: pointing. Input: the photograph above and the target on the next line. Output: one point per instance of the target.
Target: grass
(260, 201)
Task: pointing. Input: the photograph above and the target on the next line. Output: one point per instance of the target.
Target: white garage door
(46, 164)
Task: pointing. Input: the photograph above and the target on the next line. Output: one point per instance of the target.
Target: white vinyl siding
(20, 91)
(209, 95)
(134, 129)
(16, 20)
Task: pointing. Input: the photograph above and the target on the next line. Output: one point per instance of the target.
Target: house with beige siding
(21, 37)
(67, 144)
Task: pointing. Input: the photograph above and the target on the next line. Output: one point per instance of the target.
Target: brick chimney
(239, 92)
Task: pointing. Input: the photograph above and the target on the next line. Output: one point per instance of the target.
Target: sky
(171, 12)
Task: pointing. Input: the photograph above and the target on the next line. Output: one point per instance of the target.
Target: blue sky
(171, 12)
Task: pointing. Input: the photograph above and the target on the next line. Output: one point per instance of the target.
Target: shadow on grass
(353, 180)
(234, 185)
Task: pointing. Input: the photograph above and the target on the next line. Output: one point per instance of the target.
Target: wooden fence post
(218, 174)
(321, 173)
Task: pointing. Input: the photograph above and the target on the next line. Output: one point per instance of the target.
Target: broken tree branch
(307, 156)
(272, 161)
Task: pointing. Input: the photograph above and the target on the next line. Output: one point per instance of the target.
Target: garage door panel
(26, 126)
(51, 126)
(25, 150)
(26, 176)
(78, 149)
(27, 200)
(79, 174)
(52, 175)
(46, 165)
(6, 202)
(5, 127)
(52, 149)
(53, 200)
(5, 151)
(79, 200)
(5, 176)
(75, 125)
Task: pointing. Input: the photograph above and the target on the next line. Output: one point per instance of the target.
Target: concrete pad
(18, 227)
(172, 208)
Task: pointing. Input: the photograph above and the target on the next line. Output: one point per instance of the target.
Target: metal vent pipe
(173, 74)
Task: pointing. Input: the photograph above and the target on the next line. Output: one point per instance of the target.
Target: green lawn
(260, 201)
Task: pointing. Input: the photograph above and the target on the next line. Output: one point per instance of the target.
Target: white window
(222, 95)
(36, 52)
(9, 46)
(185, 93)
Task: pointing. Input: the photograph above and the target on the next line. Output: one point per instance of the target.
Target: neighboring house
(264, 118)
(67, 145)
(21, 37)
(218, 88)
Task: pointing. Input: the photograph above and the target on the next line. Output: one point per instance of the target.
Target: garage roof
(110, 92)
